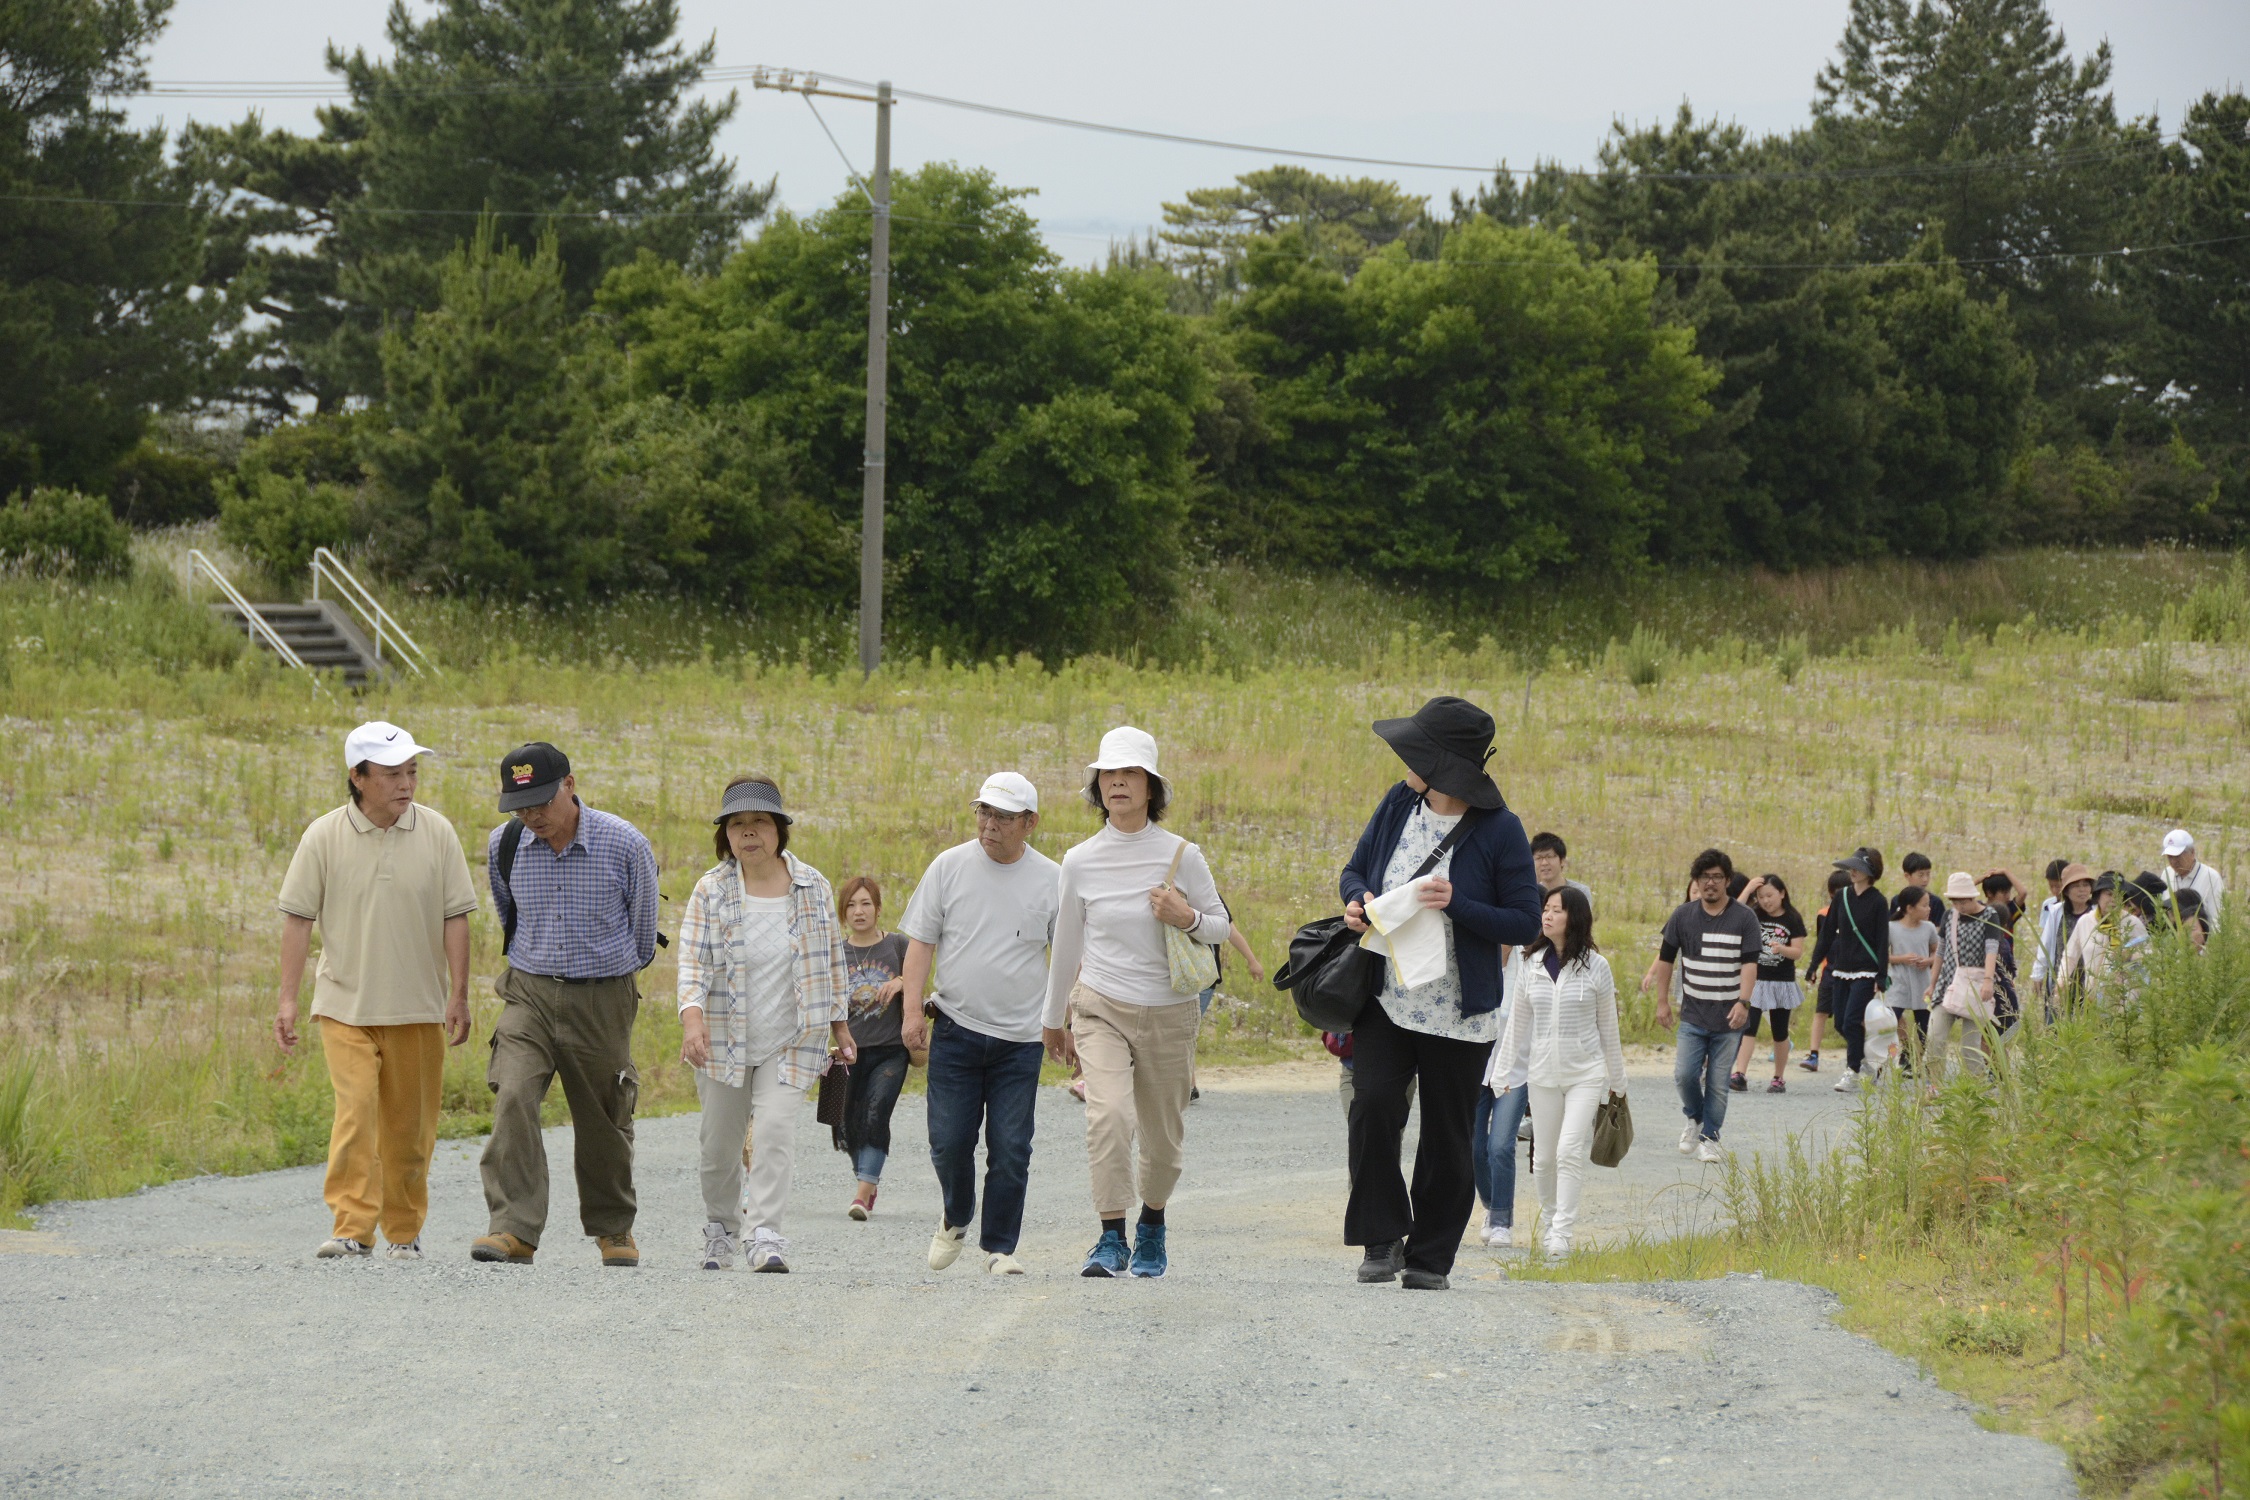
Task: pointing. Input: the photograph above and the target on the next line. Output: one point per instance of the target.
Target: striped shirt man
(1711, 949)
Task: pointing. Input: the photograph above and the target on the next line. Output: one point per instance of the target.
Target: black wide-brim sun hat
(1446, 743)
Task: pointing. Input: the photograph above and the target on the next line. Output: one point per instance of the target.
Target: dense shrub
(64, 532)
(276, 520)
(155, 486)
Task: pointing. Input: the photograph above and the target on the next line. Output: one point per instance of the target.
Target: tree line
(508, 323)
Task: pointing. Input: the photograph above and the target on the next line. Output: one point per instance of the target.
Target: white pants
(1942, 1022)
(1562, 1122)
(727, 1112)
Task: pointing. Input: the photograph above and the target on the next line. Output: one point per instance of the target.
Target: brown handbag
(834, 1102)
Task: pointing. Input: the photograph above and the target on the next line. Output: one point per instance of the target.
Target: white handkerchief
(1409, 934)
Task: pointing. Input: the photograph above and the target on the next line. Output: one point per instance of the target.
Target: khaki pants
(386, 1081)
(582, 1033)
(1942, 1025)
(1139, 1064)
(728, 1113)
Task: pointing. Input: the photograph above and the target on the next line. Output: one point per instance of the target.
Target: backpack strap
(505, 858)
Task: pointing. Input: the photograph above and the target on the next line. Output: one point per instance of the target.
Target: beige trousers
(1139, 1065)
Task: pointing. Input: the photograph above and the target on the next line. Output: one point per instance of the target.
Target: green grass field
(155, 777)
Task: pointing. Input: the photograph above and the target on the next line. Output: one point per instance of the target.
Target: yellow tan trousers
(386, 1080)
(1139, 1064)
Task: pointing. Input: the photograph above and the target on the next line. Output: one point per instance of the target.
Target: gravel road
(183, 1342)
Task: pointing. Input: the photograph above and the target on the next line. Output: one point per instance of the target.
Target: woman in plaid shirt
(761, 978)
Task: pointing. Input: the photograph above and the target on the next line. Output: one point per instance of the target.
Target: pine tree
(101, 247)
(568, 118)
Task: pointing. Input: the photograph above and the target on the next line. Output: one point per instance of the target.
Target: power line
(756, 73)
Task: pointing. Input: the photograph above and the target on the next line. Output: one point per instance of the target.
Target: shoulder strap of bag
(1845, 899)
(1172, 871)
(1445, 844)
(507, 862)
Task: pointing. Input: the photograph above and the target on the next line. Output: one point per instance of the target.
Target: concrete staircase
(324, 636)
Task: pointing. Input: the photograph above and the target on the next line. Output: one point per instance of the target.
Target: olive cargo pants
(582, 1033)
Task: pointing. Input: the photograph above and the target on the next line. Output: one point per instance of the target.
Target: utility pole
(878, 390)
(878, 194)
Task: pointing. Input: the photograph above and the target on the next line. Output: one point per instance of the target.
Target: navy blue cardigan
(1496, 896)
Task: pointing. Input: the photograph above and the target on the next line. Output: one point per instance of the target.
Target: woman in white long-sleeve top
(1110, 1003)
(1562, 1035)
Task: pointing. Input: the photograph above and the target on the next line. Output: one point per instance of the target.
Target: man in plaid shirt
(576, 892)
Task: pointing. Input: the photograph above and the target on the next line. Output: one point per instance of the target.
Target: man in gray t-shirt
(984, 914)
(1715, 942)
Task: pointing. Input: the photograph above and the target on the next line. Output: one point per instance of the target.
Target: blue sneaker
(1107, 1258)
(1148, 1250)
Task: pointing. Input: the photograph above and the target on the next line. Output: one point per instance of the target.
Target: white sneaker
(1709, 1153)
(1001, 1263)
(766, 1251)
(339, 1247)
(1848, 1084)
(1556, 1248)
(411, 1250)
(1499, 1236)
(718, 1247)
(1691, 1137)
(945, 1245)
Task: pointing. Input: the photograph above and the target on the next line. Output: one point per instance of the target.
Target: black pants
(1852, 996)
(1386, 1059)
(876, 1080)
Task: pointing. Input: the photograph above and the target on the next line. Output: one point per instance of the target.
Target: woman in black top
(1855, 942)
(875, 962)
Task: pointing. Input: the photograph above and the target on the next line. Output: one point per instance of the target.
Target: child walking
(1776, 993)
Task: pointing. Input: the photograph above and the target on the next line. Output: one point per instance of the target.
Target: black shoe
(1423, 1281)
(1383, 1262)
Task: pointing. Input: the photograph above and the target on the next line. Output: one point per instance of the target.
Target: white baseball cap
(2178, 841)
(1126, 746)
(380, 743)
(1008, 792)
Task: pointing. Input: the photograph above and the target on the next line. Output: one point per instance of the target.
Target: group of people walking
(1003, 958)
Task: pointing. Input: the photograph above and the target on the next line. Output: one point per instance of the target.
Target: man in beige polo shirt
(387, 882)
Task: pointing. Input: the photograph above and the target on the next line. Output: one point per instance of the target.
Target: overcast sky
(1433, 80)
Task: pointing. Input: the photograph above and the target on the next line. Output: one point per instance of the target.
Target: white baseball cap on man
(2178, 842)
(380, 743)
(1008, 792)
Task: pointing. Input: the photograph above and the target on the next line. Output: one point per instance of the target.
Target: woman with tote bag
(1562, 1035)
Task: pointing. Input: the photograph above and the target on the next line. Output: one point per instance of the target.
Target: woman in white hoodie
(1562, 1040)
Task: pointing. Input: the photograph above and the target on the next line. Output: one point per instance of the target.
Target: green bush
(153, 486)
(62, 532)
(278, 519)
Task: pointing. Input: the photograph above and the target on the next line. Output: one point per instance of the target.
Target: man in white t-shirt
(2185, 871)
(984, 913)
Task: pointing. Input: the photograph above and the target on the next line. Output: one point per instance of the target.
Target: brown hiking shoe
(618, 1250)
(505, 1249)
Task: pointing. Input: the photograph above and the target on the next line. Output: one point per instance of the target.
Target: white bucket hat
(1125, 747)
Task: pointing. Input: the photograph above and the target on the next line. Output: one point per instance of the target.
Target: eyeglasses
(994, 815)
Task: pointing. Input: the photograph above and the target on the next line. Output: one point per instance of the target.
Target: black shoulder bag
(1328, 974)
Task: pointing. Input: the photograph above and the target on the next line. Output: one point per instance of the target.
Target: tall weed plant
(2109, 1150)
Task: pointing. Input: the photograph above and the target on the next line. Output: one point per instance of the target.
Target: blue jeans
(1492, 1151)
(1700, 1066)
(979, 1081)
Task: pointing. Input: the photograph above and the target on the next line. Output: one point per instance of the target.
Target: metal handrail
(380, 620)
(255, 623)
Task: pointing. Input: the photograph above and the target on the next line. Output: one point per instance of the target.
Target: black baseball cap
(529, 775)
